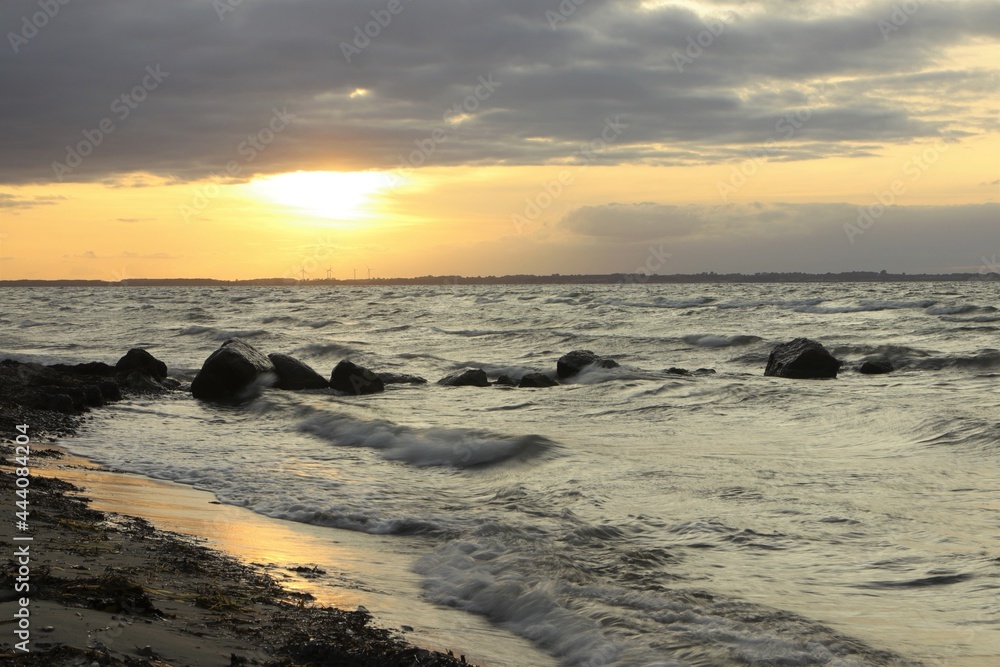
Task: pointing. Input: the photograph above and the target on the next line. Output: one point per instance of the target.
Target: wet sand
(111, 589)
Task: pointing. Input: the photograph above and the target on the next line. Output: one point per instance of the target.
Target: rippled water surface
(631, 516)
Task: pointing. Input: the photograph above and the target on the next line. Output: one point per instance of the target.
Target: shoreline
(110, 588)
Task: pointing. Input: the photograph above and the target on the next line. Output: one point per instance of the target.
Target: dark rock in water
(138, 382)
(92, 396)
(876, 367)
(506, 381)
(574, 362)
(401, 378)
(678, 371)
(95, 368)
(140, 360)
(110, 390)
(802, 359)
(350, 378)
(470, 377)
(539, 380)
(294, 374)
(229, 373)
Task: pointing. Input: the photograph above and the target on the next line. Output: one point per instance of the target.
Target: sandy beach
(110, 589)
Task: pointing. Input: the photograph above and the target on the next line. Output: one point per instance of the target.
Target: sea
(630, 516)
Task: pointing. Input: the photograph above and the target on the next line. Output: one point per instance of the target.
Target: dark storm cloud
(221, 76)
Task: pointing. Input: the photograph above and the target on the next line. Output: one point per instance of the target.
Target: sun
(338, 195)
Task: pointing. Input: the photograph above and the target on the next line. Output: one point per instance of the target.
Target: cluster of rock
(235, 371)
(806, 359)
(71, 389)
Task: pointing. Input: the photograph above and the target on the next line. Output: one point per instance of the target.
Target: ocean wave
(550, 598)
(195, 330)
(712, 340)
(983, 360)
(789, 303)
(952, 310)
(662, 302)
(866, 306)
(327, 350)
(975, 319)
(271, 319)
(240, 333)
(455, 447)
(318, 324)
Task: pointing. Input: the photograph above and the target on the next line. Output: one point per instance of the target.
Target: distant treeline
(554, 279)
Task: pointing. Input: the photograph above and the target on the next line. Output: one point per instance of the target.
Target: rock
(230, 373)
(401, 378)
(92, 396)
(876, 367)
(294, 374)
(506, 381)
(802, 358)
(350, 378)
(677, 371)
(470, 377)
(537, 380)
(140, 360)
(110, 390)
(95, 368)
(574, 362)
(138, 382)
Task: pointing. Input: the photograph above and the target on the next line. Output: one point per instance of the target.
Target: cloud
(778, 237)
(90, 254)
(556, 87)
(10, 201)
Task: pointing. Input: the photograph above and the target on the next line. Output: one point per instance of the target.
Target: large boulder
(470, 377)
(140, 360)
(876, 367)
(802, 359)
(350, 378)
(574, 362)
(231, 373)
(295, 374)
(537, 380)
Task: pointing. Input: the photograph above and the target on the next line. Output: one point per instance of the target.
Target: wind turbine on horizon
(329, 272)
(369, 272)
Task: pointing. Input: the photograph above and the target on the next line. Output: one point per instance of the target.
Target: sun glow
(329, 194)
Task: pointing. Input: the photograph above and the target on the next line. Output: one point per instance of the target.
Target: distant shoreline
(554, 279)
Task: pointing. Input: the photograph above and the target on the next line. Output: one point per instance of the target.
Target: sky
(395, 138)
